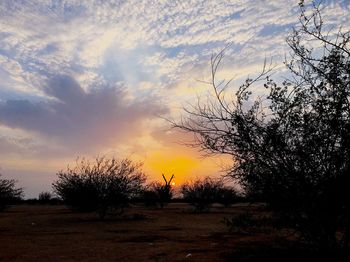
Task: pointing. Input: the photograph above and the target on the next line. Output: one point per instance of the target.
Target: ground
(54, 233)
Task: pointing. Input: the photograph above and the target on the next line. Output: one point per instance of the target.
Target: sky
(99, 77)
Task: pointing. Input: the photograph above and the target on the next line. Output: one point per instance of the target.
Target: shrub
(159, 194)
(227, 196)
(202, 193)
(102, 186)
(149, 197)
(9, 194)
(45, 197)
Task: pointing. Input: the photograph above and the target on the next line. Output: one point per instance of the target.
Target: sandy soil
(54, 233)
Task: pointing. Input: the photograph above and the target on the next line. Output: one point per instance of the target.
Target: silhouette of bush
(164, 193)
(9, 193)
(202, 193)
(290, 146)
(103, 186)
(45, 197)
(227, 196)
(158, 193)
(149, 197)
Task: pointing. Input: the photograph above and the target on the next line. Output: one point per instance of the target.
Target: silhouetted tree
(9, 193)
(102, 186)
(291, 146)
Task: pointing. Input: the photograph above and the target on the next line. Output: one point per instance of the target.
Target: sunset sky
(98, 77)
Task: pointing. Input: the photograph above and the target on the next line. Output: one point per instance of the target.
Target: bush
(203, 193)
(45, 197)
(9, 194)
(102, 186)
(227, 196)
(159, 194)
(149, 197)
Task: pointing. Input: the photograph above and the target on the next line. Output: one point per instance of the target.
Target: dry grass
(54, 233)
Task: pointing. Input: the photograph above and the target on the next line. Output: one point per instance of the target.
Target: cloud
(85, 39)
(81, 119)
(160, 45)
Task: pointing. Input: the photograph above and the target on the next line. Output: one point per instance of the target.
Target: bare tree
(291, 147)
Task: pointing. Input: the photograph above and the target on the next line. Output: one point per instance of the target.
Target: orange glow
(180, 166)
(184, 165)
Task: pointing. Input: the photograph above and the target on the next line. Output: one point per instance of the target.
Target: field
(54, 233)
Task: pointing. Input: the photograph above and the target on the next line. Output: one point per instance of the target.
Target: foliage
(291, 147)
(102, 186)
(9, 193)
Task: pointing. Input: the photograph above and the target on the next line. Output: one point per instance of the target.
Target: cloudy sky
(89, 77)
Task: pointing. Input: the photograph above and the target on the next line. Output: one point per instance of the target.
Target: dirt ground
(54, 233)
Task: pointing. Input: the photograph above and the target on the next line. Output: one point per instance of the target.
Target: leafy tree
(9, 193)
(291, 147)
(101, 186)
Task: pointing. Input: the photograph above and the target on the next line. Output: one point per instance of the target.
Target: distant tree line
(108, 186)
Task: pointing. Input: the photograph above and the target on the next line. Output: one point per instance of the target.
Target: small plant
(9, 193)
(246, 223)
(240, 223)
(103, 186)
